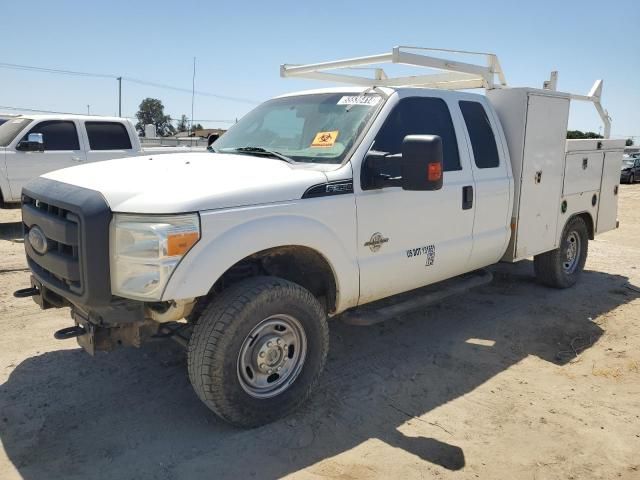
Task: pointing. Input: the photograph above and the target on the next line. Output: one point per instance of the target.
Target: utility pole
(119, 96)
(193, 94)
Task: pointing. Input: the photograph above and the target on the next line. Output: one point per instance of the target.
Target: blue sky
(239, 46)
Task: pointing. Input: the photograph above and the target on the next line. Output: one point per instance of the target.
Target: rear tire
(258, 350)
(561, 268)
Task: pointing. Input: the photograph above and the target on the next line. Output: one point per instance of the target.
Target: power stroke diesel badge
(376, 241)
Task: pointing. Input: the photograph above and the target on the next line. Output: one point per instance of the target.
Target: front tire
(561, 268)
(258, 350)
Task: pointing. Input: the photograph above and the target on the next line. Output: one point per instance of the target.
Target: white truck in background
(32, 145)
(360, 202)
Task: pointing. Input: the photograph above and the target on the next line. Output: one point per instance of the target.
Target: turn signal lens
(434, 171)
(180, 243)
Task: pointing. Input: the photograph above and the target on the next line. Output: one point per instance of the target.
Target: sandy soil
(513, 380)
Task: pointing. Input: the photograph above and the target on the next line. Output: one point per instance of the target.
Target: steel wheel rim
(271, 356)
(572, 252)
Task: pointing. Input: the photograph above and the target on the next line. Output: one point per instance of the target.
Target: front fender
(228, 236)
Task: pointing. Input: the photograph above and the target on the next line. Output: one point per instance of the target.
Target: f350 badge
(376, 241)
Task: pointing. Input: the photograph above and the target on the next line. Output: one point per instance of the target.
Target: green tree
(184, 124)
(151, 112)
(629, 142)
(577, 134)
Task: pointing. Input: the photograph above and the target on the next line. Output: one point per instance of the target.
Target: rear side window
(108, 136)
(57, 135)
(483, 141)
(420, 116)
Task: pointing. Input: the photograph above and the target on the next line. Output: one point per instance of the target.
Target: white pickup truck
(32, 145)
(361, 202)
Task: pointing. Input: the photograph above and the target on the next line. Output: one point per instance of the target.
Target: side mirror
(33, 143)
(421, 162)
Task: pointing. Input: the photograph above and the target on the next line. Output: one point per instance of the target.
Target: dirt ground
(511, 381)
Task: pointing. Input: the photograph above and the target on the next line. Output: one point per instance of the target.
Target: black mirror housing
(422, 162)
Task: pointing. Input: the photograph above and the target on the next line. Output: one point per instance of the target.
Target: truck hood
(189, 182)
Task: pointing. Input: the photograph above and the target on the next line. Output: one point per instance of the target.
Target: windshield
(318, 128)
(11, 128)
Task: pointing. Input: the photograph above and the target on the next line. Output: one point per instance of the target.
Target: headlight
(145, 250)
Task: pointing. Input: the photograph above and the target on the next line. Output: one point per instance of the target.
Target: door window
(108, 136)
(419, 116)
(483, 141)
(57, 135)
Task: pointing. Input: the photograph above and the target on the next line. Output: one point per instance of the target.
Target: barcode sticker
(369, 101)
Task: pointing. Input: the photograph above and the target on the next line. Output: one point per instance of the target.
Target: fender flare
(214, 254)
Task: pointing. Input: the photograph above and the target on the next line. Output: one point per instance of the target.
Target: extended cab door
(493, 190)
(407, 239)
(107, 140)
(62, 149)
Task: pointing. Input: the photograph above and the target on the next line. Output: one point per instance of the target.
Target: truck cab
(315, 205)
(32, 145)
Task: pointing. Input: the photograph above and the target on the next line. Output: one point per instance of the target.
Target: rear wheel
(258, 350)
(560, 268)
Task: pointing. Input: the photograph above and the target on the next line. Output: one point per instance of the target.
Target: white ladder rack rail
(457, 76)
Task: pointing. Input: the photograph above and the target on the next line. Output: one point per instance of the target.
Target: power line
(188, 90)
(176, 118)
(14, 66)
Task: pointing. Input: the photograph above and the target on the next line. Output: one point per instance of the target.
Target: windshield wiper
(262, 151)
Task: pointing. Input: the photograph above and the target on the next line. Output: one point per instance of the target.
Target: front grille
(60, 264)
(75, 222)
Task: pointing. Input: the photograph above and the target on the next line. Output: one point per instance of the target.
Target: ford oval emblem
(38, 240)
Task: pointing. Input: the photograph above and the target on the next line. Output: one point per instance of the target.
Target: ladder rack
(453, 75)
(456, 76)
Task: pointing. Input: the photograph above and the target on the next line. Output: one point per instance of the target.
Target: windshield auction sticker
(370, 100)
(325, 139)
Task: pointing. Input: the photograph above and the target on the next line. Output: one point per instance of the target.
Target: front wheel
(560, 268)
(258, 350)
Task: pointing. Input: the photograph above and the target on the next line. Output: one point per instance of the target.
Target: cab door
(61, 150)
(408, 239)
(493, 183)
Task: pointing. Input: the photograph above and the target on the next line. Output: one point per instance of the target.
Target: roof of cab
(387, 90)
(67, 116)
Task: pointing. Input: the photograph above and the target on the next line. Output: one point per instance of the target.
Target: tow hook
(26, 292)
(69, 332)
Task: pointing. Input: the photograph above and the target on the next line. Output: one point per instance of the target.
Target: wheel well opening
(301, 265)
(589, 221)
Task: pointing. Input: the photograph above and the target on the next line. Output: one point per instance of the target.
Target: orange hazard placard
(325, 139)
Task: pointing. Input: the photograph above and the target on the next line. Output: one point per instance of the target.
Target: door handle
(467, 197)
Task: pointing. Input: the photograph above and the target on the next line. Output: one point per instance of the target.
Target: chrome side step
(381, 310)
